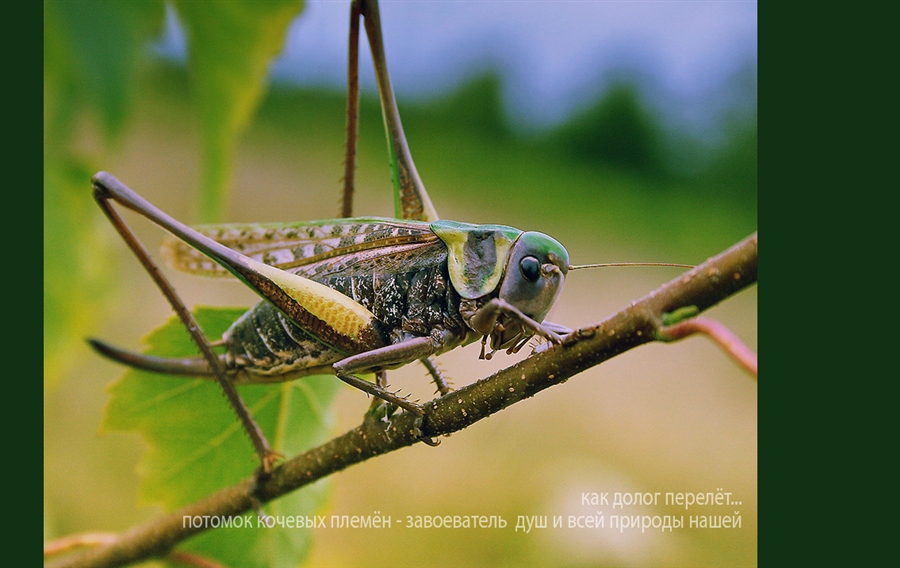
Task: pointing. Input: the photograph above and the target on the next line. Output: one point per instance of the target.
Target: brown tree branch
(701, 287)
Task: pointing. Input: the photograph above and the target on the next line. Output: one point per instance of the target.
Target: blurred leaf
(197, 446)
(91, 50)
(230, 45)
(77, 265)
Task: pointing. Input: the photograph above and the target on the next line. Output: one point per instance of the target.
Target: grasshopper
(353, 296)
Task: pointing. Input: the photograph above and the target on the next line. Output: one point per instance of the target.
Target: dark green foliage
(617, 131)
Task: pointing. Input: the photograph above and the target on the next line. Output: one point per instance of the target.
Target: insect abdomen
(265, 343)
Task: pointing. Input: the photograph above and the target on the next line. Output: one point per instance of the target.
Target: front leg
(484, 320)
(559, 329)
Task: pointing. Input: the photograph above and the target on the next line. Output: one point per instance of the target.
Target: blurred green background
(613, 183)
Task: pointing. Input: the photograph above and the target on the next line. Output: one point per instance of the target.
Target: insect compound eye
(531, 268)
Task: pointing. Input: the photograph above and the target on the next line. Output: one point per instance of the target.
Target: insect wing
(314, 250)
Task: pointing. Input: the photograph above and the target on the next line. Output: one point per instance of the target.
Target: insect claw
(417, 431)
(269, 461)
(551, 335)
(540, 347)
(262, 473)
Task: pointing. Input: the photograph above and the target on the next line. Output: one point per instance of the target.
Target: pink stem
(718, 333)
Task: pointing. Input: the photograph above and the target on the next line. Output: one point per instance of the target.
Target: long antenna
(605, 264)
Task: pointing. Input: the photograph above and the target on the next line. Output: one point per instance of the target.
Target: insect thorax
(407, 304)
(413, 303)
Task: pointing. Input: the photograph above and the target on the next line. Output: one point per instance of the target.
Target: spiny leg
(352, 112)
(410, 192)
(378, 404)
(437, 376)
(388, 356)
(345, 325)
(266, 455)
(380, 392)
(410, 198)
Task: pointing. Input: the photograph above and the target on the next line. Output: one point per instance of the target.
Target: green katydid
(355, 295)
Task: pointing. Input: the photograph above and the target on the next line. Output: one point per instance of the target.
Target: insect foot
(427, 440)
(260, 476)
(269, 460)
(547, 333)
(381, 412)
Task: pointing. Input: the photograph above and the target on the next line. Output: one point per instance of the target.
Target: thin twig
(90, 539)
(80, 540)
(192, 559)
(702, 287)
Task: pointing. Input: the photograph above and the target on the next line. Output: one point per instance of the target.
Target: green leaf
(230, 46)
(197, 446)
(78, 264)
(92, 49)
